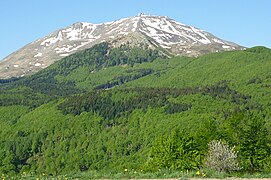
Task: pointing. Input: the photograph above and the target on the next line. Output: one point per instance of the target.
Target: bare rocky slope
(154, 31)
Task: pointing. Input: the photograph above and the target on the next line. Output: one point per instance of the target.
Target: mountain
(155, 32)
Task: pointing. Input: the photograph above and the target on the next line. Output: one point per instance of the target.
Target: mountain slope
(46, 129)
(153, 31)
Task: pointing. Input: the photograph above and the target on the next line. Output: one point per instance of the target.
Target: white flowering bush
(221, 157)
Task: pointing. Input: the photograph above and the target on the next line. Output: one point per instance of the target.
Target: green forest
(133, 110)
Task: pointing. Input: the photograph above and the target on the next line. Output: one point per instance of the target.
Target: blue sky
(246, 22)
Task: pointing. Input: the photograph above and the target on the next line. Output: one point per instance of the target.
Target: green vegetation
(128, 112)
(178, 152)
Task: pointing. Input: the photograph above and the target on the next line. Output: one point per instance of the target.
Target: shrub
(221, 157)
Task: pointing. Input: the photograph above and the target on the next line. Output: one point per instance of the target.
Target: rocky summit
(157, 32)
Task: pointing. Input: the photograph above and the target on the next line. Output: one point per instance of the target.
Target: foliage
(254, 144)
(102, 103)
(104, 109)
(248, 133)
(179, 151)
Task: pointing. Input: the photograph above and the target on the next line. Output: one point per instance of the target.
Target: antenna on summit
(141, 14)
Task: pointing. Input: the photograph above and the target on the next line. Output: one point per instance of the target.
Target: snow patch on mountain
(50, 41)
(64, 55)
(153, 31)
(38, 55)
(226, 47)
(218, 41)
(163, 30)
(38, 64)
(63, 49)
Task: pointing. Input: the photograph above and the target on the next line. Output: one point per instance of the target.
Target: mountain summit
(154, 31)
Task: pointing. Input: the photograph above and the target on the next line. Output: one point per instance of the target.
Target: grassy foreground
(133, 174)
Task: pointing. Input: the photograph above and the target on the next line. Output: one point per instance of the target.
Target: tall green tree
(249, 134)
(179, 151)
(254, 144)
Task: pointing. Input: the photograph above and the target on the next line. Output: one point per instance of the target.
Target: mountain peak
(155, 31)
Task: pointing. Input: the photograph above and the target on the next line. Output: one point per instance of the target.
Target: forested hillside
(106, 109)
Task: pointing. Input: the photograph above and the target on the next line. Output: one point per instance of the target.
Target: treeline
(44, 86)
(125, 78)
(3, 81)
(102, 103)
(102, 56)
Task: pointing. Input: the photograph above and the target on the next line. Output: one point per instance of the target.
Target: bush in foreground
(221, 157)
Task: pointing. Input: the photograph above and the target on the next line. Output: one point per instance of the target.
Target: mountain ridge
(153, 31)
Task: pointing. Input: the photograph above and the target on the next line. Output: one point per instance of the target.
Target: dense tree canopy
(121, 108)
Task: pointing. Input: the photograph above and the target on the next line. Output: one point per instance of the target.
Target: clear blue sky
(246, 22)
